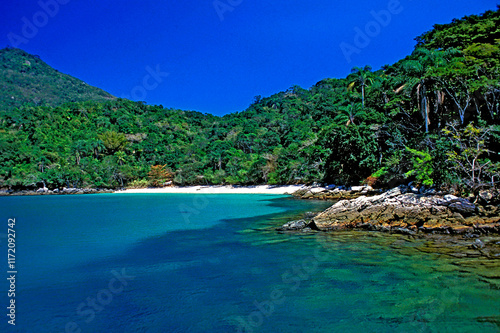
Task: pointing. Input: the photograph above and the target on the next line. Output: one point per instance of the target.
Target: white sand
(259, 189)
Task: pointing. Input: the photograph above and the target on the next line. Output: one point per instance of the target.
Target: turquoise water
(213, 263)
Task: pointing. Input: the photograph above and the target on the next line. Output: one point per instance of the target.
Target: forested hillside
(432, 118)
(26, 79)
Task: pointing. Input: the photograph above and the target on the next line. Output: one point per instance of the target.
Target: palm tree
(360, 77)
(120, 157)
(79, 149)
(113, 141)
(419, 79)
(349, 113)
(380, 87)
(456, 80)
(96, 146)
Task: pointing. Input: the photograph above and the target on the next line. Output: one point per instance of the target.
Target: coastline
(200, 189)
(213, 189)
(401, 210)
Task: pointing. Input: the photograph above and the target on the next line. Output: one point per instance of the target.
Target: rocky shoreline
(63, 191)
(403, 210)
(198, 189)
(333, 192)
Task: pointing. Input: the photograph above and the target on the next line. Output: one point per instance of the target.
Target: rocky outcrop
(401, 212)
(333, 192)
(46, 191)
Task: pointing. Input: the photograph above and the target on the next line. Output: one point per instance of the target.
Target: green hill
(432, 118)
(26, 79)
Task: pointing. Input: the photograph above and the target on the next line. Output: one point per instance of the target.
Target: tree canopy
(415, 120)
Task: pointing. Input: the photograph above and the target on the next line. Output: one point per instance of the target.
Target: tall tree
(418, 79)
(361, 77)
(349, 113)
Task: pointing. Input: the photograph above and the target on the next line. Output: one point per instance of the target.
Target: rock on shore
(401, 212)
(333, 192)
(65, 190)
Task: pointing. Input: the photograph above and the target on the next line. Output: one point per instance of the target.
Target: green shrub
(422, 167)
(138, 183)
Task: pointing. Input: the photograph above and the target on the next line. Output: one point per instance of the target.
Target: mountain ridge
(26, 79)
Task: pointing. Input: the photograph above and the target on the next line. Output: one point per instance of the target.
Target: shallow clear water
(213, 263)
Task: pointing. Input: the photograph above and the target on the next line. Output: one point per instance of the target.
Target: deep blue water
(213, 263)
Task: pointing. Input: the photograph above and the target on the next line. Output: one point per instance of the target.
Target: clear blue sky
(218, 54)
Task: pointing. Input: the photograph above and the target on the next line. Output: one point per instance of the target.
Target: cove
(214, 263)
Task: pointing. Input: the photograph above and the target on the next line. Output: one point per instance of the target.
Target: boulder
(430, 191)
(310, 215)
(463, 207)
(486, 196)
(450, 197)
(459, 205)
(357, 188)
(300, 193)
(478, 244)
(294, 225)
(308, 195)
(489, 197)
(367, 188)
(361, 189)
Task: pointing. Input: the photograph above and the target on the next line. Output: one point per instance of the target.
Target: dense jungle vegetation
(432, 118)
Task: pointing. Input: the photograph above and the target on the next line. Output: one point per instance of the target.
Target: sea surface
(214, 263)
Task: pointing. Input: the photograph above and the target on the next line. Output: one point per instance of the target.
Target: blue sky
(215, 56)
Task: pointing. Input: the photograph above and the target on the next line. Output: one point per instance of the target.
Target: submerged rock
(478, 244)
(310, 215)
(294, 225)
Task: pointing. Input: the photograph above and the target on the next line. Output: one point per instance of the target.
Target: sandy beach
(258, 189)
